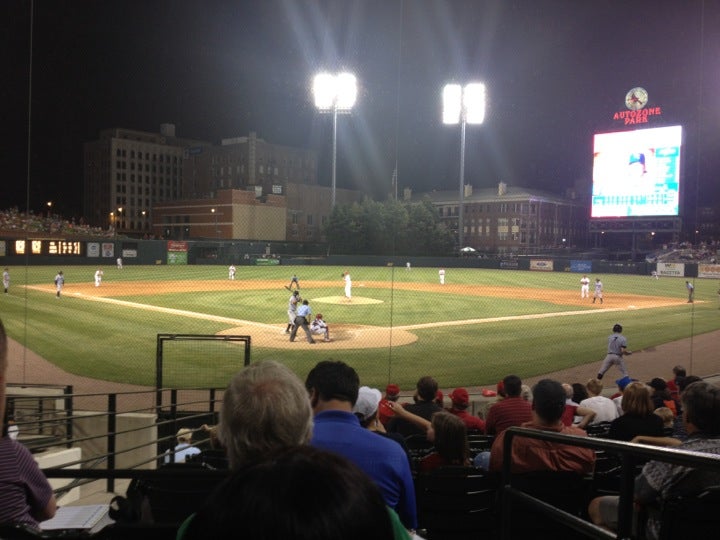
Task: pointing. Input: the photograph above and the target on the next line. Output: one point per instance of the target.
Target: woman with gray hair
(265, 409)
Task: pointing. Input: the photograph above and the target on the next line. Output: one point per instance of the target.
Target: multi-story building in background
(510, 219)
(156, 184)
(127, 172)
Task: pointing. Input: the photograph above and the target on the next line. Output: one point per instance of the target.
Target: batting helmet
(617, 328)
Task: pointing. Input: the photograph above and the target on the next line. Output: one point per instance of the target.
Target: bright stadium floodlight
(334, 94)
(463, 105)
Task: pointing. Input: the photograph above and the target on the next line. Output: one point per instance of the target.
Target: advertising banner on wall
(93, 249)
(581, 267)
(543, 265)
(671, 269)
(709, 271)
(177, 252)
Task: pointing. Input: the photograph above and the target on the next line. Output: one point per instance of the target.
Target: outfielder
(98, 277)
(292, 310)
(585, 287)
(231, 272)
(59, 283)
(617, 348)
(6, 280)
(119, 263)
(441, 274)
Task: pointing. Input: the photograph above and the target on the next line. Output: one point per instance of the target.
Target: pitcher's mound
(357, 300)
(342, 336)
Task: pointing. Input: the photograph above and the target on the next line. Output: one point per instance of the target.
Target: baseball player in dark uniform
(293, 280)
(617, 348)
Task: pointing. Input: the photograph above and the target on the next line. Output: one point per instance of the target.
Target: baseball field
(477, 327)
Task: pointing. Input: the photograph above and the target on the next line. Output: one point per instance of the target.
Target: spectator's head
(594, 387)
(701, 408)
(449, 435)
(623, 382)
(659, 388)
(184, 436)
(666, 415)
(512, 385)
(332, 384)
(548, 401)
(460, 399)
(526, 392)
(426, 389)
(568, 390)
(679, 371)
(636, 399)
(366, 406)
(323, 496)
(265, 409)
(580, 393)
(392, 392)
(684, 382)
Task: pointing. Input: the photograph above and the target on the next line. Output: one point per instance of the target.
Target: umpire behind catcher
(301, 320)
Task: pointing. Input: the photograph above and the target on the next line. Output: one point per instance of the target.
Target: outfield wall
(104, 252)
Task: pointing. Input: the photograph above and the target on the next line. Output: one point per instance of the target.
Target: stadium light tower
(463, 105)
(334, 94)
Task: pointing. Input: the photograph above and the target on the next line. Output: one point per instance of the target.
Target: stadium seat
(456, 503)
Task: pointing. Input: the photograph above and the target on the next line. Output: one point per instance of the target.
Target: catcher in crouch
(319, 326)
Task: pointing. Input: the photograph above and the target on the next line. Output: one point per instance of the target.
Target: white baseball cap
(367, 402)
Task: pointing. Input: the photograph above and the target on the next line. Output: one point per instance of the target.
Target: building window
(309, 219)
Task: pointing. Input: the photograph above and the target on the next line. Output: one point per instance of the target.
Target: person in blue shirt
(333, 387)
(302, 316)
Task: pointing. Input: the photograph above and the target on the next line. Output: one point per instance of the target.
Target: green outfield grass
(115, 342)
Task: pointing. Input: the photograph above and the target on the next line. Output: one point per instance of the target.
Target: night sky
(555, 70)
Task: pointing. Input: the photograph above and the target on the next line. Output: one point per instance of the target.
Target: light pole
(217, 231)
(49, 207)
(334, 94)
(112, 222)
(463, 105)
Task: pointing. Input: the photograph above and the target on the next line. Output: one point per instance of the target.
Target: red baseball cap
(392, 390)
(460, 396)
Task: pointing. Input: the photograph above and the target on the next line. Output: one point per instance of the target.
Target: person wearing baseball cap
(385, 413)
(460, 402)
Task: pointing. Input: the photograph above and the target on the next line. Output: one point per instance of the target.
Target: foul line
(435, 324)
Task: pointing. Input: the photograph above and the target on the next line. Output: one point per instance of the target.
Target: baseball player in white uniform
(6, 280)
(585, 287)
(59, 283)
(348, 285)
(98, 277)
(598, 291)
(292, 310)
(119, 263)
(231, 272)
(441, 274)
(319, 326)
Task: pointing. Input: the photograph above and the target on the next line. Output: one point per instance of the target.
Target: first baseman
(585, 287)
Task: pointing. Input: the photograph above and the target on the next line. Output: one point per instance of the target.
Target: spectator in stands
(447, 432)
(440, 399)
(366, 409)
(617, 396)
(333, 387)
(668, 418)
(424, 406)
(573, 410)
(513, 410)
(183, 449)
(385, 413)
(460, 400)
(530, 455)
(672, 384)
(265, 409)
(660, 395)
(661, 480)
(580, 392)
(26, 495)
(679, 431)
(637, 417)
(303, 493)
(605, 409)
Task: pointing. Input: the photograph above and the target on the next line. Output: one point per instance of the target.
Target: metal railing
(630, 456)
